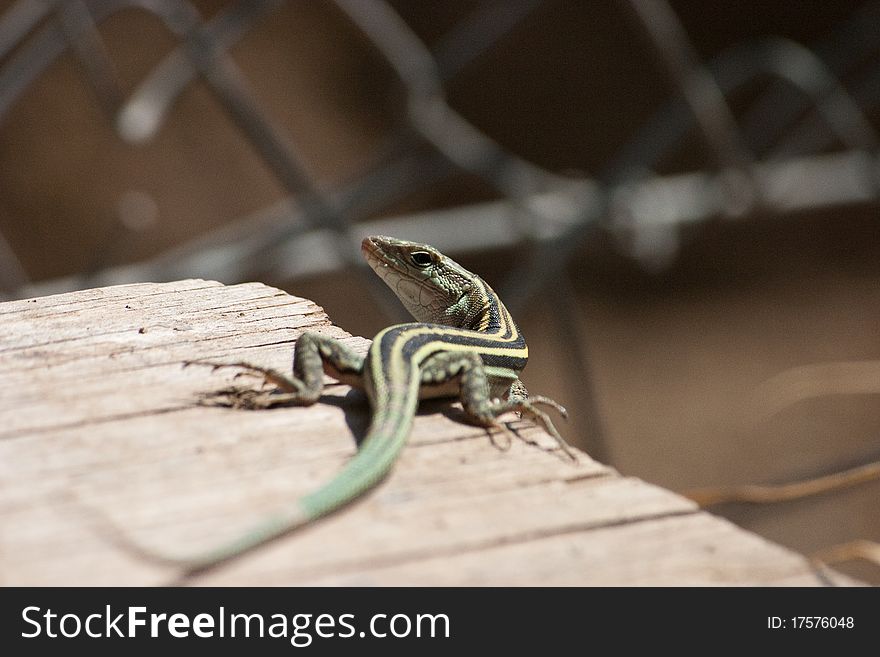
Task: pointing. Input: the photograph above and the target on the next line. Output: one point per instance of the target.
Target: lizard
(464, 343)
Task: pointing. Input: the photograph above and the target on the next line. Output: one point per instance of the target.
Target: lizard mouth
(414, 293)
(379, 259)
(371, 249)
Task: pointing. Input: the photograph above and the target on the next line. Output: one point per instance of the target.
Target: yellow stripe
(484, 324)
(430, 346)
(397, 351)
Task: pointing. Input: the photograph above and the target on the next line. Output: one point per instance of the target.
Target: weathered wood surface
(96, 412)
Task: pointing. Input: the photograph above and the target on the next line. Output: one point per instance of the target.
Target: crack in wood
(390, 559)
(32, 431)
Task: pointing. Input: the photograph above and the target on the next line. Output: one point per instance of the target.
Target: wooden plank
(99, 416)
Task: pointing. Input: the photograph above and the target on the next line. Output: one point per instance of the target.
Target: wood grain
(98, 416)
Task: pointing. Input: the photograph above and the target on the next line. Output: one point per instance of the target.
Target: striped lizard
(464, 344)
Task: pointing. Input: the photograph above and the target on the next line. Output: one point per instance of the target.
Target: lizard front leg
(476, 380)
(312, 356)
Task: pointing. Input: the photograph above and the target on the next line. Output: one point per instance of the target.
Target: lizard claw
(552, 403)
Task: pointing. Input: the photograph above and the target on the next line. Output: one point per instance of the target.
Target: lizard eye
(421, 258)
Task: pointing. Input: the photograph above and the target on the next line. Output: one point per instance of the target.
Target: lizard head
(432, 286)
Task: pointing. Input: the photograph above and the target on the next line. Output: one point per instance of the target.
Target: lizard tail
(385, 439)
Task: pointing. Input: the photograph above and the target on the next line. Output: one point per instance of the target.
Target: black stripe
(460, 337)
(497, 312)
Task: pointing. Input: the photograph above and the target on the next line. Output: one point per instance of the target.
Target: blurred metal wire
(771, 161)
